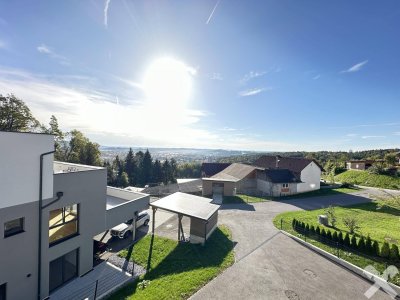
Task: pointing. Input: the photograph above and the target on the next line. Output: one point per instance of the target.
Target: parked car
(123, 230)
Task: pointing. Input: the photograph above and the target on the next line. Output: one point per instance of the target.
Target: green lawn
(322, 192)
(318, 193)
(243, 199)
(367, 179)
(178, 270)
(380, 222)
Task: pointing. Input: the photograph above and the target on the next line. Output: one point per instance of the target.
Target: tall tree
(146, 166)
(131, 167)
(157, 172)
(15, 115)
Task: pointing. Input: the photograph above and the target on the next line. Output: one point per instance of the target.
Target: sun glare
(168, 83)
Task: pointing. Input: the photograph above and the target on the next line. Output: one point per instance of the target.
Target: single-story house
(269, 176)
(362, 164)
(193, 186)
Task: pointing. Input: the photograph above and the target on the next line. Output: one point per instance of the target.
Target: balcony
(63, 167)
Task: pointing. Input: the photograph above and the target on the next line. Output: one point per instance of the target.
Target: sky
(247, 75)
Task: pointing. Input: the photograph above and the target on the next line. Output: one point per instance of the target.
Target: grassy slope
(367, 179)
(380, 223)
(178, 270)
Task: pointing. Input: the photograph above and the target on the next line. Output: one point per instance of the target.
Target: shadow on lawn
(186, 257)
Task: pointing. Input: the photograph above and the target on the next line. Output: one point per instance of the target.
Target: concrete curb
(395, 290)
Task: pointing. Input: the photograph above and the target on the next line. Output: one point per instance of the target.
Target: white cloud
(356, 67)
(106, 6)
(373, 136)
(251, 75)
(46, 50)
(317, 77)
(352, 134)
(212, 13)
(253, 92)
(216, 76)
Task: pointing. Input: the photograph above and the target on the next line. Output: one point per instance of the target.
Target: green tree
(375, 246)
(330, 212)
(353, 242)
(157, 172)
(131, 167)
(385, 250)
(351, 223)
(391, 159)
(15, 115)
(394, 253)
(124, 180)
(346, 240)
(146, 167)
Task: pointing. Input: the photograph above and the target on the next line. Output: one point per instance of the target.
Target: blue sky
(265, 75)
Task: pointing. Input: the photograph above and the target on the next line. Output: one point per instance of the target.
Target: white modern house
(49, 214)
(268, 176)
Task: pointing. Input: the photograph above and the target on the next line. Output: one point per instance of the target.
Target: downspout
(40, 220)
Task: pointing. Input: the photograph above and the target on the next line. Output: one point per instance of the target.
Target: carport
(202, 213)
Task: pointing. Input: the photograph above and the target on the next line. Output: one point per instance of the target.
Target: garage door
(218, 188)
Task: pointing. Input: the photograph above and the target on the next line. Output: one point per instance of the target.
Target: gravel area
(126, 266)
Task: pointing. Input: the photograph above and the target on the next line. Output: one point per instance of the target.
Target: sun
(168, 83)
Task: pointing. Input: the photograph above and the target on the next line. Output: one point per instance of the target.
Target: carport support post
(154, 220)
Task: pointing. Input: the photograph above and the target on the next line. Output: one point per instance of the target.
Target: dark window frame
(14, 231)
(76, 219)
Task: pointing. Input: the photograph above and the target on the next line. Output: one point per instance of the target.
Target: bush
(351, 223)
(353, 242)
(347, 185)
(385, 250)
(335, 237)
(394, 253)
(323, 233)
(318, 230)
(361, 244)
(340, 238)
(375, 248)
(312, 229)
(346, 240)
(368, 245)
(329, 234)
(294, 223)
(307, 227)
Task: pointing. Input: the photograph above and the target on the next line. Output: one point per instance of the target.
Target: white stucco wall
(19, 167)
(310, 177)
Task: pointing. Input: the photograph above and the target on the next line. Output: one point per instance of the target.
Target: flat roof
(187, 205)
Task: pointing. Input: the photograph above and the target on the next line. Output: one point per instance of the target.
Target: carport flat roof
(187, 205)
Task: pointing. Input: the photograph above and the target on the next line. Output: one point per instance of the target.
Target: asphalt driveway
(270, 265)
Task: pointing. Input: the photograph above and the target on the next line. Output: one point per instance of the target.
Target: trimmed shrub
(368, 245)
(307, 227)
(361, 244)
(318, 230)
(323, 233)
(312, 229)
(335, 236)
(340, 238)
(346, 240)
(394, 253)
(385, 250)
(294, 221)
(353, 242)
(375, 247)
(329, 234)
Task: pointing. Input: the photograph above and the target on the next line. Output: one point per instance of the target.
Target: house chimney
(277, 161)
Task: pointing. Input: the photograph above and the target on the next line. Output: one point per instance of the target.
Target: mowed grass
(381, 223)
(238, 199)
(367, 179)
(243, 199)
(177, 270)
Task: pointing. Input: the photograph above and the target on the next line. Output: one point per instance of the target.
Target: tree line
(139, 169)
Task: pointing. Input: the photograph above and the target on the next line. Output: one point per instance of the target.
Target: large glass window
(13, 227)
(63, 269)
(63, 223)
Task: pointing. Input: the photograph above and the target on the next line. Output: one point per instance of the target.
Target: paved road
(270, 265)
